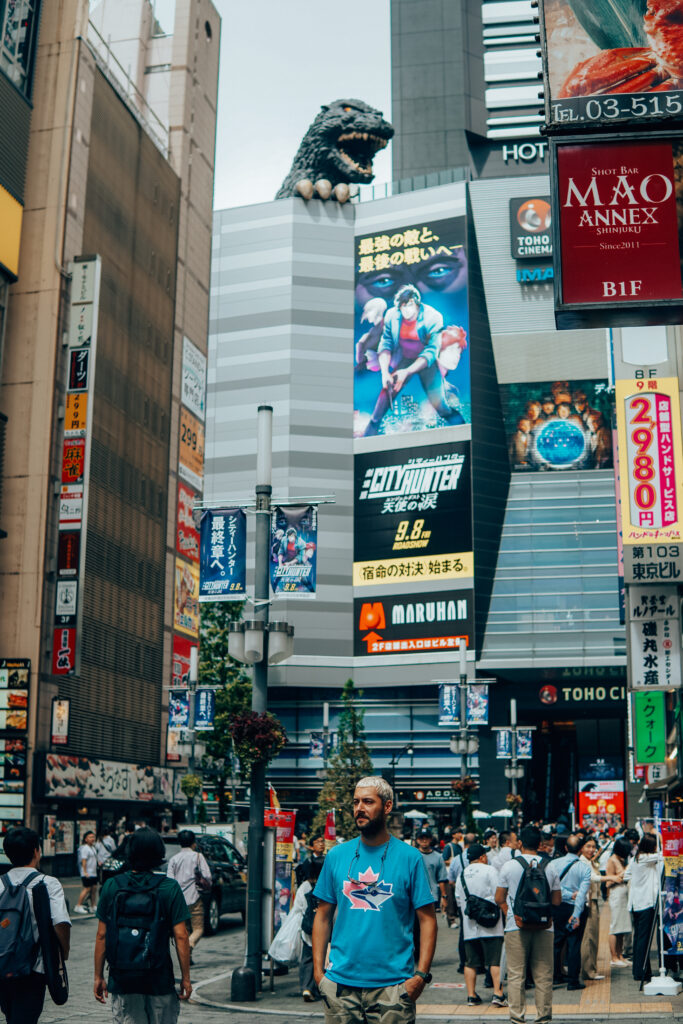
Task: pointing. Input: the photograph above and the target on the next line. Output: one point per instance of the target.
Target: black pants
(306, 980)
(21, 1000)
(642, 926)
(461, 943)
(573, 939)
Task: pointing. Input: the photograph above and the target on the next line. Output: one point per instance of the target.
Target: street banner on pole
(316, 745)
(503, 744)
(478, 704)
(524, 744)
(294, 551)
(223, 555)
(204, 709)
(330, 831)
(650, 726)
(449, 704)
(178, 709)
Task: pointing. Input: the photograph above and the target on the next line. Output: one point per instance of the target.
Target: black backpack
(309, 914)
(532, 909)
(137, 934)
(18, 949)
(481, 910)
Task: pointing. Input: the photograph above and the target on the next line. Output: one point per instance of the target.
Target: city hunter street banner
(650, 460)
(611, 61)
(223, 555)
(558, 425)
(413, 623)
(411, 329)
(616, 213)
(413, 515)
(294, 550)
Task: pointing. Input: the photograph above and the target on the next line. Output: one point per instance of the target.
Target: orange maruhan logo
(372, 616)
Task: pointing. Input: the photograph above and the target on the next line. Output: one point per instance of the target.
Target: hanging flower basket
(464, 786)
(190, 785)
(257, 738)
(513, 800)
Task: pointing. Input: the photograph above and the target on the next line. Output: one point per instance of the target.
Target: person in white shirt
(457, 864)
(644, 875)
(507, 846)
(183, 867)
(87, 867)
(483, 945)
(21, 999)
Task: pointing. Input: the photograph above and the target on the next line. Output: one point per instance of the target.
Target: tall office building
(465, 85)
(105, 322)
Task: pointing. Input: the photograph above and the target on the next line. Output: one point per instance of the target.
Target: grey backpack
(18, 948)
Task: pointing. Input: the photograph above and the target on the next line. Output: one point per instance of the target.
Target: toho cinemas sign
(616, 215)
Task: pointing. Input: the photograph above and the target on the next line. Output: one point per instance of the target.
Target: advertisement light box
(616, 230)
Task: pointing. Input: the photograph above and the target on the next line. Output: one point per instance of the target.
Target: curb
(474, 1016)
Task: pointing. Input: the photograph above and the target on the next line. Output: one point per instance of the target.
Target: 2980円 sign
(650, 459)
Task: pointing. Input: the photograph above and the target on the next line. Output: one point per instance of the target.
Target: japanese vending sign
(650, 460)
(655, 635)
(186, 598)
(411, 304)
(650, 726)
(191, 450)
(193, 385)
(60, 722)
(617, 204)
(187, 535)
(223, 555)
(414, 623)
(611, 63)
(530, 237)
(413, 515)
(204, 709)
(294, 551)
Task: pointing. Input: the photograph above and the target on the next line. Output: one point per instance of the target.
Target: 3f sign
(610, 289)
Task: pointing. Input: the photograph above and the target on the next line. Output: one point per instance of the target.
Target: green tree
(217, 668)
(349, 762)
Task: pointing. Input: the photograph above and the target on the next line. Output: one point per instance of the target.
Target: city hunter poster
(223, 555)
(558, 425)
(294, 550)
(411, 329)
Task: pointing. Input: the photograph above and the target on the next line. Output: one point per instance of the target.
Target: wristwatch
(426, 977)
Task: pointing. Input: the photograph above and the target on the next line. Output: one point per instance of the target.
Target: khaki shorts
(481, 954)
(347, 1005)
(133, 1008)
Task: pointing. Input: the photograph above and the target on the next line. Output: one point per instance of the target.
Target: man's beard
(373, 826)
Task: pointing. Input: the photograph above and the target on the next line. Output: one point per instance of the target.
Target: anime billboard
(558, 425)
(294, 551)
(411, 329)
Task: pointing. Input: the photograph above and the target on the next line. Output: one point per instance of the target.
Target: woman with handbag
(617, 895)
(193, 875)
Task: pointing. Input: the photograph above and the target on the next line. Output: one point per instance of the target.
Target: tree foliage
(349, 762)
(233, 696)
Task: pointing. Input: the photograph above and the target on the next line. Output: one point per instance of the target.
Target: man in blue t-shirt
(376, 884)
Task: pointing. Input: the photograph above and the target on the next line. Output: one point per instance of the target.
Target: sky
(280, 60)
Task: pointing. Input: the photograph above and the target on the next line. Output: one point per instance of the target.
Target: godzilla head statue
(337, 151)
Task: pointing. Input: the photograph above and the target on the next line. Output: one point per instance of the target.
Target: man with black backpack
(526, 894)
(139, 912)
(23, 978)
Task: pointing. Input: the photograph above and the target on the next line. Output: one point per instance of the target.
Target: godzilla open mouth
(357, 149)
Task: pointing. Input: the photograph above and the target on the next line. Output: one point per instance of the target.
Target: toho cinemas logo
(618, 223)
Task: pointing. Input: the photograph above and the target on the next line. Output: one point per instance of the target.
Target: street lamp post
(407, 749)
(463, 742)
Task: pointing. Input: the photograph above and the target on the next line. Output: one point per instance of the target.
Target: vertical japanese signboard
(650, 461)
(73, 497)
(650, 725)
(223, 555)
(655, 637)
(294, 551)
(14, 691)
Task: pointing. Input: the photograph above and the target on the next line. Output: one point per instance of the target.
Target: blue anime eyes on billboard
(411, 330)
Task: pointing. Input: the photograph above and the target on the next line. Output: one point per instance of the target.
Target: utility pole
(259, 695)
(462, 687)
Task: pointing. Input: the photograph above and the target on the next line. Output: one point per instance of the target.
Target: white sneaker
(80, 910)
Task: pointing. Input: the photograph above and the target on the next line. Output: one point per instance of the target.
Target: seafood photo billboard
(612, 61)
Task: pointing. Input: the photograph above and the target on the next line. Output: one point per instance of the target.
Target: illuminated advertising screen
(411, 329)
(558, 425)
(413, 515)
(611, 61)
(616, 219)
(413, 623)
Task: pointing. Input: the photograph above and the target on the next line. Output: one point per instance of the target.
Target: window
(18, 38)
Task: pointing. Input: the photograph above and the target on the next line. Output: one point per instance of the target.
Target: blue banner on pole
(449, 704)
(178, 709)
(223, 555)
(204, 709)
(294, 550)
(478, 704)
(503, 744)
(524, 744)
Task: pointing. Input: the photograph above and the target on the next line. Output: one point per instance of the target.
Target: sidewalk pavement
(617, 997)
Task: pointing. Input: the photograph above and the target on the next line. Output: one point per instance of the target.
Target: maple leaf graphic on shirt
(368, 893)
